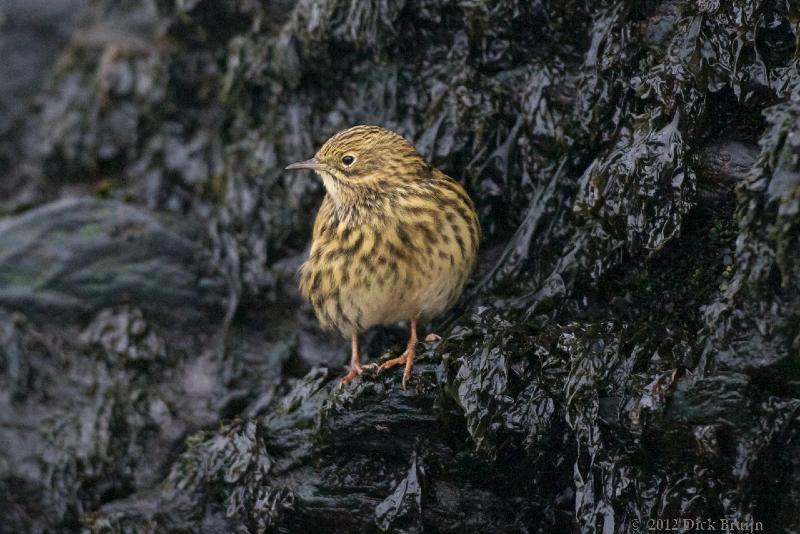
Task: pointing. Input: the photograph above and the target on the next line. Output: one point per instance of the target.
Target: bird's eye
(348, 160)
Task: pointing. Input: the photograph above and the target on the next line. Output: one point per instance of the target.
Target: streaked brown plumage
(395, 238)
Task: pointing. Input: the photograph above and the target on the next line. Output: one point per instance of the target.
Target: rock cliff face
(629, 349)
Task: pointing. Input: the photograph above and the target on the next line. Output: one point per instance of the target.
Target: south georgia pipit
(394, 239)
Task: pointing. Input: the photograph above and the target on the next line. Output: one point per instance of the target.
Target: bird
(395, 239)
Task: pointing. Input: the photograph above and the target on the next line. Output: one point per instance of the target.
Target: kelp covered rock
(76, 256)
(629, 349)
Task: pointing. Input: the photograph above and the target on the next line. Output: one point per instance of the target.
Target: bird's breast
(410, 259)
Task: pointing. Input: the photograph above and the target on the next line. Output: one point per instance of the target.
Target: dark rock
(99, 415)
(77, 256)
(718, 399)
(32, 35)
(725, 164)
(13, 355)
(124, 333)
(402, 510)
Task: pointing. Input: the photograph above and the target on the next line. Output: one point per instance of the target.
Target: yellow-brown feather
(394, 241)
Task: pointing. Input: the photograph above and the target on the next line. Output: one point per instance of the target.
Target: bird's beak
(312, 164)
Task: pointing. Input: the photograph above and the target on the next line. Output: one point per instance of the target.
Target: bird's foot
(433, 337)
(355, 370)
(394, 361)
(407, 359)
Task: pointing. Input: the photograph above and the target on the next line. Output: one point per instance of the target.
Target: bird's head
(365, 160)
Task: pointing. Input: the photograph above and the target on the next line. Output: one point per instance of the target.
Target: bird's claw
(406, 377)
(357, 371)
(394, 361)
(354, 371)
(403, 359)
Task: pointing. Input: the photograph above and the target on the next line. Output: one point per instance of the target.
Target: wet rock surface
(629, 348)
(77, 255)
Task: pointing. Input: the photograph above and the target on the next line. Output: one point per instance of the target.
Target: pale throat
(351, 204)
(332, 188)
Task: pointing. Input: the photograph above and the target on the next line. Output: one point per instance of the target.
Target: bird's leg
(407, 357)
(355, 361)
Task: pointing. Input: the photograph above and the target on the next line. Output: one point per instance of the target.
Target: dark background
(629, 348)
